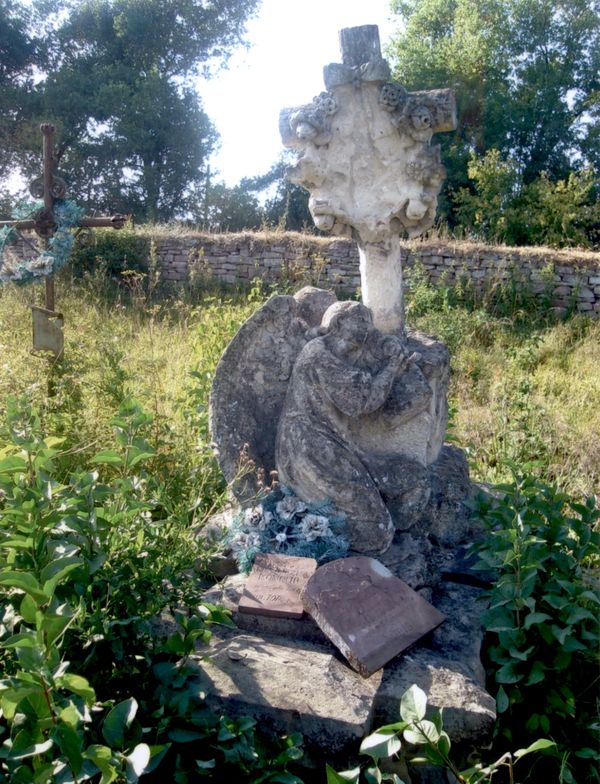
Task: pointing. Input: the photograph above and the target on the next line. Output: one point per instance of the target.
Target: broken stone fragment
(368, 614)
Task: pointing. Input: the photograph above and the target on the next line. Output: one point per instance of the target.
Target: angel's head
(347, 325)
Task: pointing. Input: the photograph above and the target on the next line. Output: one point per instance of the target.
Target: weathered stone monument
(354, 411)
(347, 409)
(366, 158)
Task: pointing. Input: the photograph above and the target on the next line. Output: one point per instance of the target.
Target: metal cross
(47, 323)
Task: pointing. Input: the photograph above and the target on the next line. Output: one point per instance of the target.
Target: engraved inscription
(275, 585)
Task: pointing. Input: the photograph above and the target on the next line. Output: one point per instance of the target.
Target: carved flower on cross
(421, 118)
(421, 123)
(326, 104)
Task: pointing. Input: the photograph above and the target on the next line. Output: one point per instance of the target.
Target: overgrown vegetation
(90, 691)
(543, 552)
(100, 496)
(111, 252)
(525, 386)
(428, 743)
(523, 161)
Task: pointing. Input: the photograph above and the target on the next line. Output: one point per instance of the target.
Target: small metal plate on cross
(47, 331)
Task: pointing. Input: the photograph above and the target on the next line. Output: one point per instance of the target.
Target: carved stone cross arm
(366, 158)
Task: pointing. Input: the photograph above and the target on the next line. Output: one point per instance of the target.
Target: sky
(291, 41)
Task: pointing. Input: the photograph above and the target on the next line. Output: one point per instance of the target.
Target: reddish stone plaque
(275, 585)
(366, 611)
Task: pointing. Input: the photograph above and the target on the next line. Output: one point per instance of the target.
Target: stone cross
(366, 158)
(50, 187)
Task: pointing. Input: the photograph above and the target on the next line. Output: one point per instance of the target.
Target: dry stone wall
(566, 279)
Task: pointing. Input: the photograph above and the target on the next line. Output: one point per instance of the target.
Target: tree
(525, 74)
(18, 55)
(119, 87)
(503, 208)
(286, 206)
(231, 209)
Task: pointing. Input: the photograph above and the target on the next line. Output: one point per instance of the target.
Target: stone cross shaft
(50, 187)
(366, 158)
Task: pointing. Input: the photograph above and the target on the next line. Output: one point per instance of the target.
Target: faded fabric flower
(315, 526)
(281, 538)
(255, 518)
(245, 541)
(290, 506)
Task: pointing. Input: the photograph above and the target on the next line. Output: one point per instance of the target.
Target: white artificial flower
(281, 538)
(254, 518)
(314, 527)
(245, 541)
(289, 506)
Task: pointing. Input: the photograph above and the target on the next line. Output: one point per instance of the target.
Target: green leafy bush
(111, 251)
(500, 207)
(91, 689)
(543, 548)
(427, 743)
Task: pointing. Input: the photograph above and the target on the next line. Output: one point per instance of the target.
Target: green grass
(120, 344)
(525, 388)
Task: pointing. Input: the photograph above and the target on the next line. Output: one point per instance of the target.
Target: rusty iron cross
(47, 323)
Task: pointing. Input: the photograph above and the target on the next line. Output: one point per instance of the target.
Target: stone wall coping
(279, 242)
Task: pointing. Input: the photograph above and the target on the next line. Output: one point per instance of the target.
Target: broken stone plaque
(275, 585)
(367, 612)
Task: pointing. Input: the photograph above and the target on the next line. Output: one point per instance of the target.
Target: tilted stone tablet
(367, 612)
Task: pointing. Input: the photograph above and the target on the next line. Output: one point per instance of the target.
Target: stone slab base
(287, 675)
(289, 686)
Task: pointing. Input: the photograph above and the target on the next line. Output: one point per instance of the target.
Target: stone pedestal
(287, 675)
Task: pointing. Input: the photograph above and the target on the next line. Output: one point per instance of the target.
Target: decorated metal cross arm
(366, 158)
(53, 218)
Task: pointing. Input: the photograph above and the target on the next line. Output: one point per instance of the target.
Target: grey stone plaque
(367, 612)
(275, 585)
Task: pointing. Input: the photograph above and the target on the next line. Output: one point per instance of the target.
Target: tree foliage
(543, 212)
(268, 200)
(118, 83)
(18, 53)
(286, 204)
(231, 209)
(526, 77)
